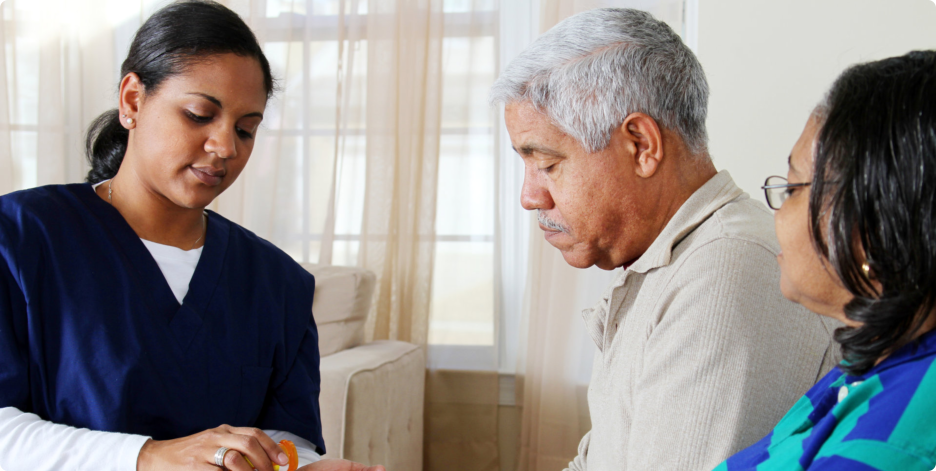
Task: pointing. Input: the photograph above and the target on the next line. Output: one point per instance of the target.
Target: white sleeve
(304, 448)
(29, 443)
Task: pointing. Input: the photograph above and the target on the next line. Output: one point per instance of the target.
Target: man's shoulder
(741, 220)
(737, 241)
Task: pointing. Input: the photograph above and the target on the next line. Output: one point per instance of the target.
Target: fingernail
(282, 458)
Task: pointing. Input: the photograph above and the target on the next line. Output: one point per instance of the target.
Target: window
(301, 41)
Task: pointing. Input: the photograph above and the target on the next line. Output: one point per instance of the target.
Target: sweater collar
(710, 197)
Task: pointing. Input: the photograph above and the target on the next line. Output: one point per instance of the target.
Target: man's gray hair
(592, 70)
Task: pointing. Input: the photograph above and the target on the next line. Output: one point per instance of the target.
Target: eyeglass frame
(767, 188)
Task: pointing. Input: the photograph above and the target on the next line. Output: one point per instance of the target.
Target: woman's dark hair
(873, 200)
(173, 38)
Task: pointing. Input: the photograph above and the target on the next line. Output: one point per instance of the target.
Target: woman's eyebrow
(209, 98)
(217, 102)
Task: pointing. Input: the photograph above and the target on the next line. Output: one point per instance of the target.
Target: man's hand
(339, 465)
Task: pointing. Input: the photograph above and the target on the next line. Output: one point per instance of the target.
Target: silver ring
(219, 455)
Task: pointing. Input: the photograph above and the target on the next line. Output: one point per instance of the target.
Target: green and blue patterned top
(882, 420)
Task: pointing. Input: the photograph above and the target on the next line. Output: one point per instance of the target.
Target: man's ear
(641, 132)
(129, 99)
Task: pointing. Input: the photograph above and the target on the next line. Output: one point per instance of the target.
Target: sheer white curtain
(378, 101)
(57, 72)
(347, 173)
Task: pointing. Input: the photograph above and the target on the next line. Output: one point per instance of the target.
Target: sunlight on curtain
(463, 303)
(404, 104)
(43, 110)
(8, 172)
(61, 63)
(377, 151)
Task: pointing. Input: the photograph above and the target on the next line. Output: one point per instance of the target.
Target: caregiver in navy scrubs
(133, 322)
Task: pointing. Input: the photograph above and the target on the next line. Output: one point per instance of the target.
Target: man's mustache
(549, 223)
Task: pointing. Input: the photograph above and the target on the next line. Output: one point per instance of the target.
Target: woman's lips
(208, 175)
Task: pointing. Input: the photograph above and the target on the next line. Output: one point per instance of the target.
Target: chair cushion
(340, 305)
(372, 404)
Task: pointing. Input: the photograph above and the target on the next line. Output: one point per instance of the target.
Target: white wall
(769, 62)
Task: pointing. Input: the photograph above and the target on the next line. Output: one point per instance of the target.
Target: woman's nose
(221, 143)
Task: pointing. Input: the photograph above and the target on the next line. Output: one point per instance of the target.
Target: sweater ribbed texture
(699, 355)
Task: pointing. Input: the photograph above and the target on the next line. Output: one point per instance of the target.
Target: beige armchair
(372, 394)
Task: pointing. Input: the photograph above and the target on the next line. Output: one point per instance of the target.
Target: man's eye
(548, 169)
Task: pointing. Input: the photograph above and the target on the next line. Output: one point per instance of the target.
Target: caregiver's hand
(339, 465)
(197, 452)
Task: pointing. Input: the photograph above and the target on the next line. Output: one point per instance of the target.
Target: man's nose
(534, 194)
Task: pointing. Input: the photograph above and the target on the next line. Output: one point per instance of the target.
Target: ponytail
(106, 145)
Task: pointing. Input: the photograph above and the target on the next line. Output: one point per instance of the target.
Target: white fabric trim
(176, 265)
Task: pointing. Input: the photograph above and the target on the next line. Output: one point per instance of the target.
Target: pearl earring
(129, 120)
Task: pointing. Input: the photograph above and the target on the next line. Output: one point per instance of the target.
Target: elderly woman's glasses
(777, 190)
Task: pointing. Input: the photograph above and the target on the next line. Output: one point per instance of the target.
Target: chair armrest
(372, 404)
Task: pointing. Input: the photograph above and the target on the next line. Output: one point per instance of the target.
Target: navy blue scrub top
(92, 336)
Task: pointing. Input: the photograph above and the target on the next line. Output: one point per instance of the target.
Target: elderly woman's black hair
(171, 39)
(872, 207)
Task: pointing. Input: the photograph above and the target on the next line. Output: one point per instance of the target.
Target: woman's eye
(789, 191)
(197, 118)
(243, 133)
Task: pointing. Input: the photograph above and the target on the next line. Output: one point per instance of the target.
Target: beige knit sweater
(699, 355)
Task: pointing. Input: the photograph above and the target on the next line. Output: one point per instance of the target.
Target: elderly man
(699, 354)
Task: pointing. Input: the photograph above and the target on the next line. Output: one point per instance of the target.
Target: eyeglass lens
(776, 196)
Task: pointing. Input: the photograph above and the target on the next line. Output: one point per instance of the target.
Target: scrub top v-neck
(95, 337)
(203, 281)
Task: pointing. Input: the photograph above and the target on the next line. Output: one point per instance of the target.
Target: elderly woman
(856, 220)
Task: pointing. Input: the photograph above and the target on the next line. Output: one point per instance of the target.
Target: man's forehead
(532, 132)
